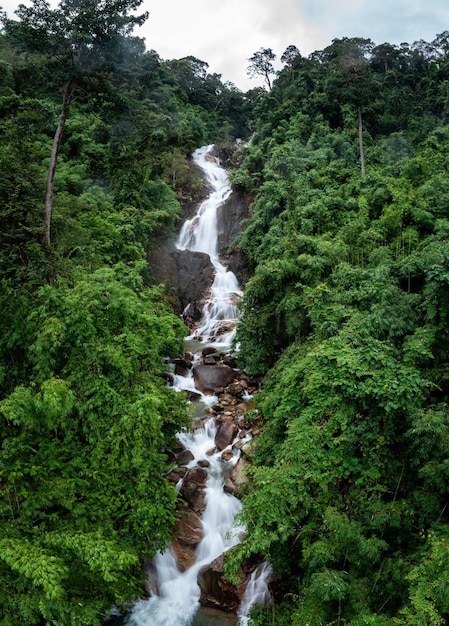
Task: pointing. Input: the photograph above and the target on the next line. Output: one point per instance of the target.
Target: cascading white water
(175, 594)
(256, 591)
(177, 598)
(200, 234)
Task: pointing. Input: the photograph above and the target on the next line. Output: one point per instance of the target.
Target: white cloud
(226, 33)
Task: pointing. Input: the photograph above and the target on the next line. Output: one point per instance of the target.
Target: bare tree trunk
(362, 153)
(68, 96)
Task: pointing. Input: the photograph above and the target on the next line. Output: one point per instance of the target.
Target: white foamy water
(200, 234)
(175, 595)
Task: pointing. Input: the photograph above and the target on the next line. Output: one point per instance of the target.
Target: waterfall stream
(175, 594)
(200, 234)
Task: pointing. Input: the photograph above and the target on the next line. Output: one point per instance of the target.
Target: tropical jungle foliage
(85, 412)
(348, 311)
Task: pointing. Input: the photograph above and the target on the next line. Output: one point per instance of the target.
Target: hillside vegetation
(85, 411)
(346, 313)
(347, 310)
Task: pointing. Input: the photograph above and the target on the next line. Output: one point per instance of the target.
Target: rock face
(195, 277)
(189, 275)
(230, 216)
(216, 591)
(208, 378)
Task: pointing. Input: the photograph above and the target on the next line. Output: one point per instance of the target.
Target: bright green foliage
(85, 410)
(81, 460)
(347, 315)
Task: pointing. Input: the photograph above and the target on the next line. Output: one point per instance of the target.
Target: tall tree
(80, 38)
(261, 64)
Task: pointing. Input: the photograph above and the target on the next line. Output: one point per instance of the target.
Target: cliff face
(230, 218)
(189, 275)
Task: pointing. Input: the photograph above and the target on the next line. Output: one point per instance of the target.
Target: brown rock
(188, 528)
(230, 360)
(207, 350)
(226, 433)
(208, 377)
(175, 475)
(235, 389)
(185, 555)
(181, 367)
(192, 396)
(248, 448)
(185, 457)
(227, 455)
(237, 481)
(211, 359)
(216, 591)
(192, 489)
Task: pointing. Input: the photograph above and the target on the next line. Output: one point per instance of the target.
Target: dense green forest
(347, 310)
(85, 412)
(345, 313)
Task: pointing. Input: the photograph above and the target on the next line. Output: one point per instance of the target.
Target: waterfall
(200, 234)
(175, 594)
(177, 598)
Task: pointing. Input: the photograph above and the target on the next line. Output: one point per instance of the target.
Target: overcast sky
(226, 33)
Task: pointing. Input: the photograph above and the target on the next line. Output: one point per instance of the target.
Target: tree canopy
(86, 415)
(346, 313)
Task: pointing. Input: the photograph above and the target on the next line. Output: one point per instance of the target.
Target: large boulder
(237, 481)
(208, 378)
(216, 591)
(195, 277)
(226, 433)
(185, 555)
(188, 527)
(193, 489)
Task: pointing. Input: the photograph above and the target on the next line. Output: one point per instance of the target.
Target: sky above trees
(226, 33)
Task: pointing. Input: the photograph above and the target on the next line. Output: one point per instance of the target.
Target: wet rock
(237, 481)
(185, 457)
(192, 489)
(227, 455)
(230, 360)
(171, 457)
(185, 555)
(226, 433)
(175, 475)
(209, 351)
(211, 359)
(216, 591)
(195, 276)
(193, 396)
(188, 527)
(203, 463)
(182, 367)
(207, 377)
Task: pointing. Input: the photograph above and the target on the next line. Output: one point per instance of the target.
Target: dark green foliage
(347, 314)
(85, 410)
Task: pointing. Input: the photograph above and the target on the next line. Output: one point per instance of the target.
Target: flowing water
(174, 599)
(200, 234)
